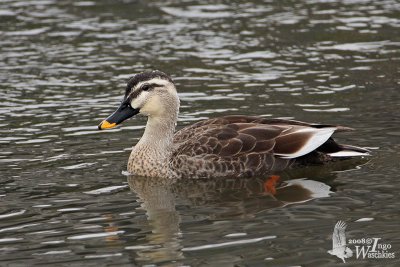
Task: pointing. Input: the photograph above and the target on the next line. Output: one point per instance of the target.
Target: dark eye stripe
(147, 87)
(136, 93)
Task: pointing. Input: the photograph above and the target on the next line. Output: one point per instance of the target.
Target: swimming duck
(229, 146)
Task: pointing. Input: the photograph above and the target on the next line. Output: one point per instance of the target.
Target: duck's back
(247, 146)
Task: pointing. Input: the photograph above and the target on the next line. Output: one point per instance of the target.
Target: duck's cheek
(152, 107)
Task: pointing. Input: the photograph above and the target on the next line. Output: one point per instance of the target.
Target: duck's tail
(350, 151)
(333, 149)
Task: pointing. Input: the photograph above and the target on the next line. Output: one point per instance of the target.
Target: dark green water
(64, 199)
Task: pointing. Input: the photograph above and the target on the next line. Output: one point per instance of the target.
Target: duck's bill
(123, 112)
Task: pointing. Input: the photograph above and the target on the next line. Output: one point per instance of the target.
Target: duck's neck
(151, 154)
(159, 133)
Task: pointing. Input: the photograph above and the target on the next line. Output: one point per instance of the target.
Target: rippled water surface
(64, 197)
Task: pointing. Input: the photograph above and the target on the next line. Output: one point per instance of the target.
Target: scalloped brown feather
(236, 146)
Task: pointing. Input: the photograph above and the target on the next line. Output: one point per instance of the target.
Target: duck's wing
(225, 138)
(235, 135)
(251, 141)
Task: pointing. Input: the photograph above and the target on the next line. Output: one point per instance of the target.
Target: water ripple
(64, 68)
(228, 244)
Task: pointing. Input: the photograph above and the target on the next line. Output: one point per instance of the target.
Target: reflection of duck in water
(161, 194)
(158, 200)
(231, 146)
(215, 199)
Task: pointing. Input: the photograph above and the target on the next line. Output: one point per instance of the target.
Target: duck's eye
(146, 87)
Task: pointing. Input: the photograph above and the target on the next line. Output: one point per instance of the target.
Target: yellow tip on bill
(106, 125)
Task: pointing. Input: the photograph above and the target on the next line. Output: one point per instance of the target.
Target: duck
(228, 146)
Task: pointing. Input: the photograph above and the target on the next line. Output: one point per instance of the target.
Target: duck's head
(151, 93)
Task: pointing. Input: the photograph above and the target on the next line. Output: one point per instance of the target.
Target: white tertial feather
(317, 138)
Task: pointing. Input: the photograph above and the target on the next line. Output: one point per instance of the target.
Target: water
(65, 200)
